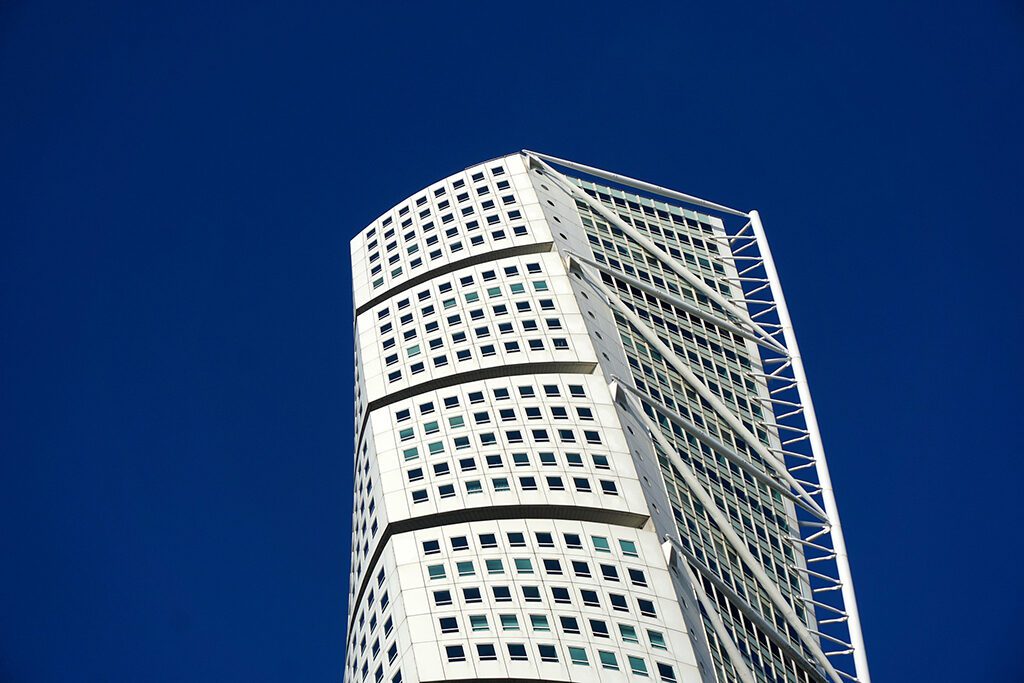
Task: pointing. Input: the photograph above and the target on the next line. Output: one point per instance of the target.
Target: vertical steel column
(818, 450)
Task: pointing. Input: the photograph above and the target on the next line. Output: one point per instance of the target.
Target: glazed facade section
(568, 452)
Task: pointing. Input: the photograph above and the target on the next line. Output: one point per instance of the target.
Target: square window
(531, 594)
(578, 656)
(517, 652)
(636, 576)
(608, 660)
(486, 652)
(523, 565)
(456, 653)
(501, 594)
(657, 639)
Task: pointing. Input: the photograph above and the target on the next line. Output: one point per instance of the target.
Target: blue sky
(178, 184)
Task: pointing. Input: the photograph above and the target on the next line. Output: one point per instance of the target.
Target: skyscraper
(585, 447)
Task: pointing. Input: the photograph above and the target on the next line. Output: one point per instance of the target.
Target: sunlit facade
(584, 445)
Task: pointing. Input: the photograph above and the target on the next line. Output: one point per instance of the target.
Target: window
(442, 598)
(628, 548)
(539, 623)
(637, 665)
(459, 543)
(553, 567)
(419, 496)
(531, 594)
(578, 656)
(449, 624)
(600, 544)
(666, 673)
(456, 653)
(486, 652)
(646, 607)
(636, 576)
(599, 628)
(573, 541)
(609, 572)
(465, 568)
(581, 569)
(569, 625)
(471, 595)
(657, 639)
(590, 598)
(608, 660)
(495, 566)
(523, 565)
(618, 602)
(516, 539)
(501, 594)
(431, 547)
(560, 595)
(628, 634)
(478, 622)
(517, 652)
(547, 653)
(488, 541)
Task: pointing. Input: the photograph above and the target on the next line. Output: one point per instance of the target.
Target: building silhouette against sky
(585, 447)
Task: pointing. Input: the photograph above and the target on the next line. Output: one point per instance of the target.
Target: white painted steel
(818, 448)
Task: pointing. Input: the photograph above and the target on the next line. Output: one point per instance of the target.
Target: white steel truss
(797, 464)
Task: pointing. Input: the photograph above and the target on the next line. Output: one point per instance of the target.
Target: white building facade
(585, 449)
